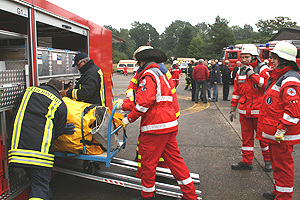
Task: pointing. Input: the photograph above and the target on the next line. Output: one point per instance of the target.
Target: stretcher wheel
(91, 168)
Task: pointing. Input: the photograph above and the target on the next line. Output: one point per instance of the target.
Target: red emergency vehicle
(265, 54)
(38, 41)
(232, 54)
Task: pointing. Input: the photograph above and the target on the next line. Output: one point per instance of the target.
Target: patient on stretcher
(92, 121)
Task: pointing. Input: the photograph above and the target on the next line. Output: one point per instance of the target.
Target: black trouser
(39, 179)
(225, 90)
(193, 89)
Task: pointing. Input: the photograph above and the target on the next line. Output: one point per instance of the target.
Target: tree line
(181, 39)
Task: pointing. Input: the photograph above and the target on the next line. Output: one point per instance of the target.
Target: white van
(131, 64)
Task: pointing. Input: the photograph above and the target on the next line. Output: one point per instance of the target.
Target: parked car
(183, 66)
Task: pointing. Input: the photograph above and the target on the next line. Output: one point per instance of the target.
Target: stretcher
(107, 156)
(92, 170)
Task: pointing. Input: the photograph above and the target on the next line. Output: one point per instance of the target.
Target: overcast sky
(161, 13)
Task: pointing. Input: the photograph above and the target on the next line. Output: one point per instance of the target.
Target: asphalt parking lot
(209, 144)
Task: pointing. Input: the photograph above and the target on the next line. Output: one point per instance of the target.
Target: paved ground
(209, 144)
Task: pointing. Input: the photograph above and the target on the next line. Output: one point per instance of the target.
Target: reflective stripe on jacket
(40, 117)
(153, 102)
(133, 87)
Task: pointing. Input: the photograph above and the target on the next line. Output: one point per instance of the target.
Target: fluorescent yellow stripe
(102, 88)
(131, 98)
(19, 120)
(168, 75)
(129, 90)
(35, 198)
(173, 90)
(30, 153)
(178, 114)
(134, 80)
(137, 148)
(74, 93)
(139, 156)
(30, 161)
(49, 127)
(161, 160)
(139, 164)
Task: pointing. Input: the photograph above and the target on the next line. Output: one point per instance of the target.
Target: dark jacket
(40, 117)
(215, 74)
(200, 72)
(90, 88)
(225, 74)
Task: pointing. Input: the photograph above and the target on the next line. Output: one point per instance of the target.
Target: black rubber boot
(241, 166)
(269, 195)
(268, 166)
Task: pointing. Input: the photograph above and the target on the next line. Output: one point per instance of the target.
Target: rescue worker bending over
(159, 125)
(249, 86)
(40, 118)
(90, 88)
(278, 122)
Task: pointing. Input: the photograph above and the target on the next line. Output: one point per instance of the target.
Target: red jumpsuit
(132, 87)
(158, 131)
(125, 70)
(281, 110)
(175, 71)
(248, 93)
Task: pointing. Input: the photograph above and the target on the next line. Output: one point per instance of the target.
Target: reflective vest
(248, 91)
(281, 110)
(154, 100)
(40, 118)
(133, 87)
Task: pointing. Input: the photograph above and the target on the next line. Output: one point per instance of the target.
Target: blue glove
(69, 129)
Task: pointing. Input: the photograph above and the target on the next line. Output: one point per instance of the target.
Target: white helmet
(175, 62)
(285, 51)
(250, 48)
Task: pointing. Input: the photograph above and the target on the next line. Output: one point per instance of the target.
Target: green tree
(184, 41)
(170, 37)
(220, 36)
(195, 49)
(267, 28)
(140, 34)
(242, 35)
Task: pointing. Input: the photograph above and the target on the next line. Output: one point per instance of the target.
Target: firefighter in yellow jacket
(40, 117)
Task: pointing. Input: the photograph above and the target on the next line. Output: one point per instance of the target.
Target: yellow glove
(119, 102)
(232, 114)
(124, 123)
(279, 135)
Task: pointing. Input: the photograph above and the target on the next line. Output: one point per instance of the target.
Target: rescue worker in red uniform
(159, 125)
(130, 94)
(279, 118)
(125, 70)
(175, 72)
(40, 118)
(249, 86)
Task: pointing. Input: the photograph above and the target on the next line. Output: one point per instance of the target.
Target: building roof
(290, 33)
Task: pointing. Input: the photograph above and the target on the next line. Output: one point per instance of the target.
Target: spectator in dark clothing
(201, 76)
(234, 71)
(215, 79)
(226, 80)
(193, 83)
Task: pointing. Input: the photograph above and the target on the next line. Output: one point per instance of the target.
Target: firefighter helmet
(286, 51)
(147, 52)
(249, 48)
(175, 62)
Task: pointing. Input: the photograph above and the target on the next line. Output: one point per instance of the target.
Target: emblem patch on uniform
(143, 83)
(291, 92)
(255, 86)
(269, 100)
